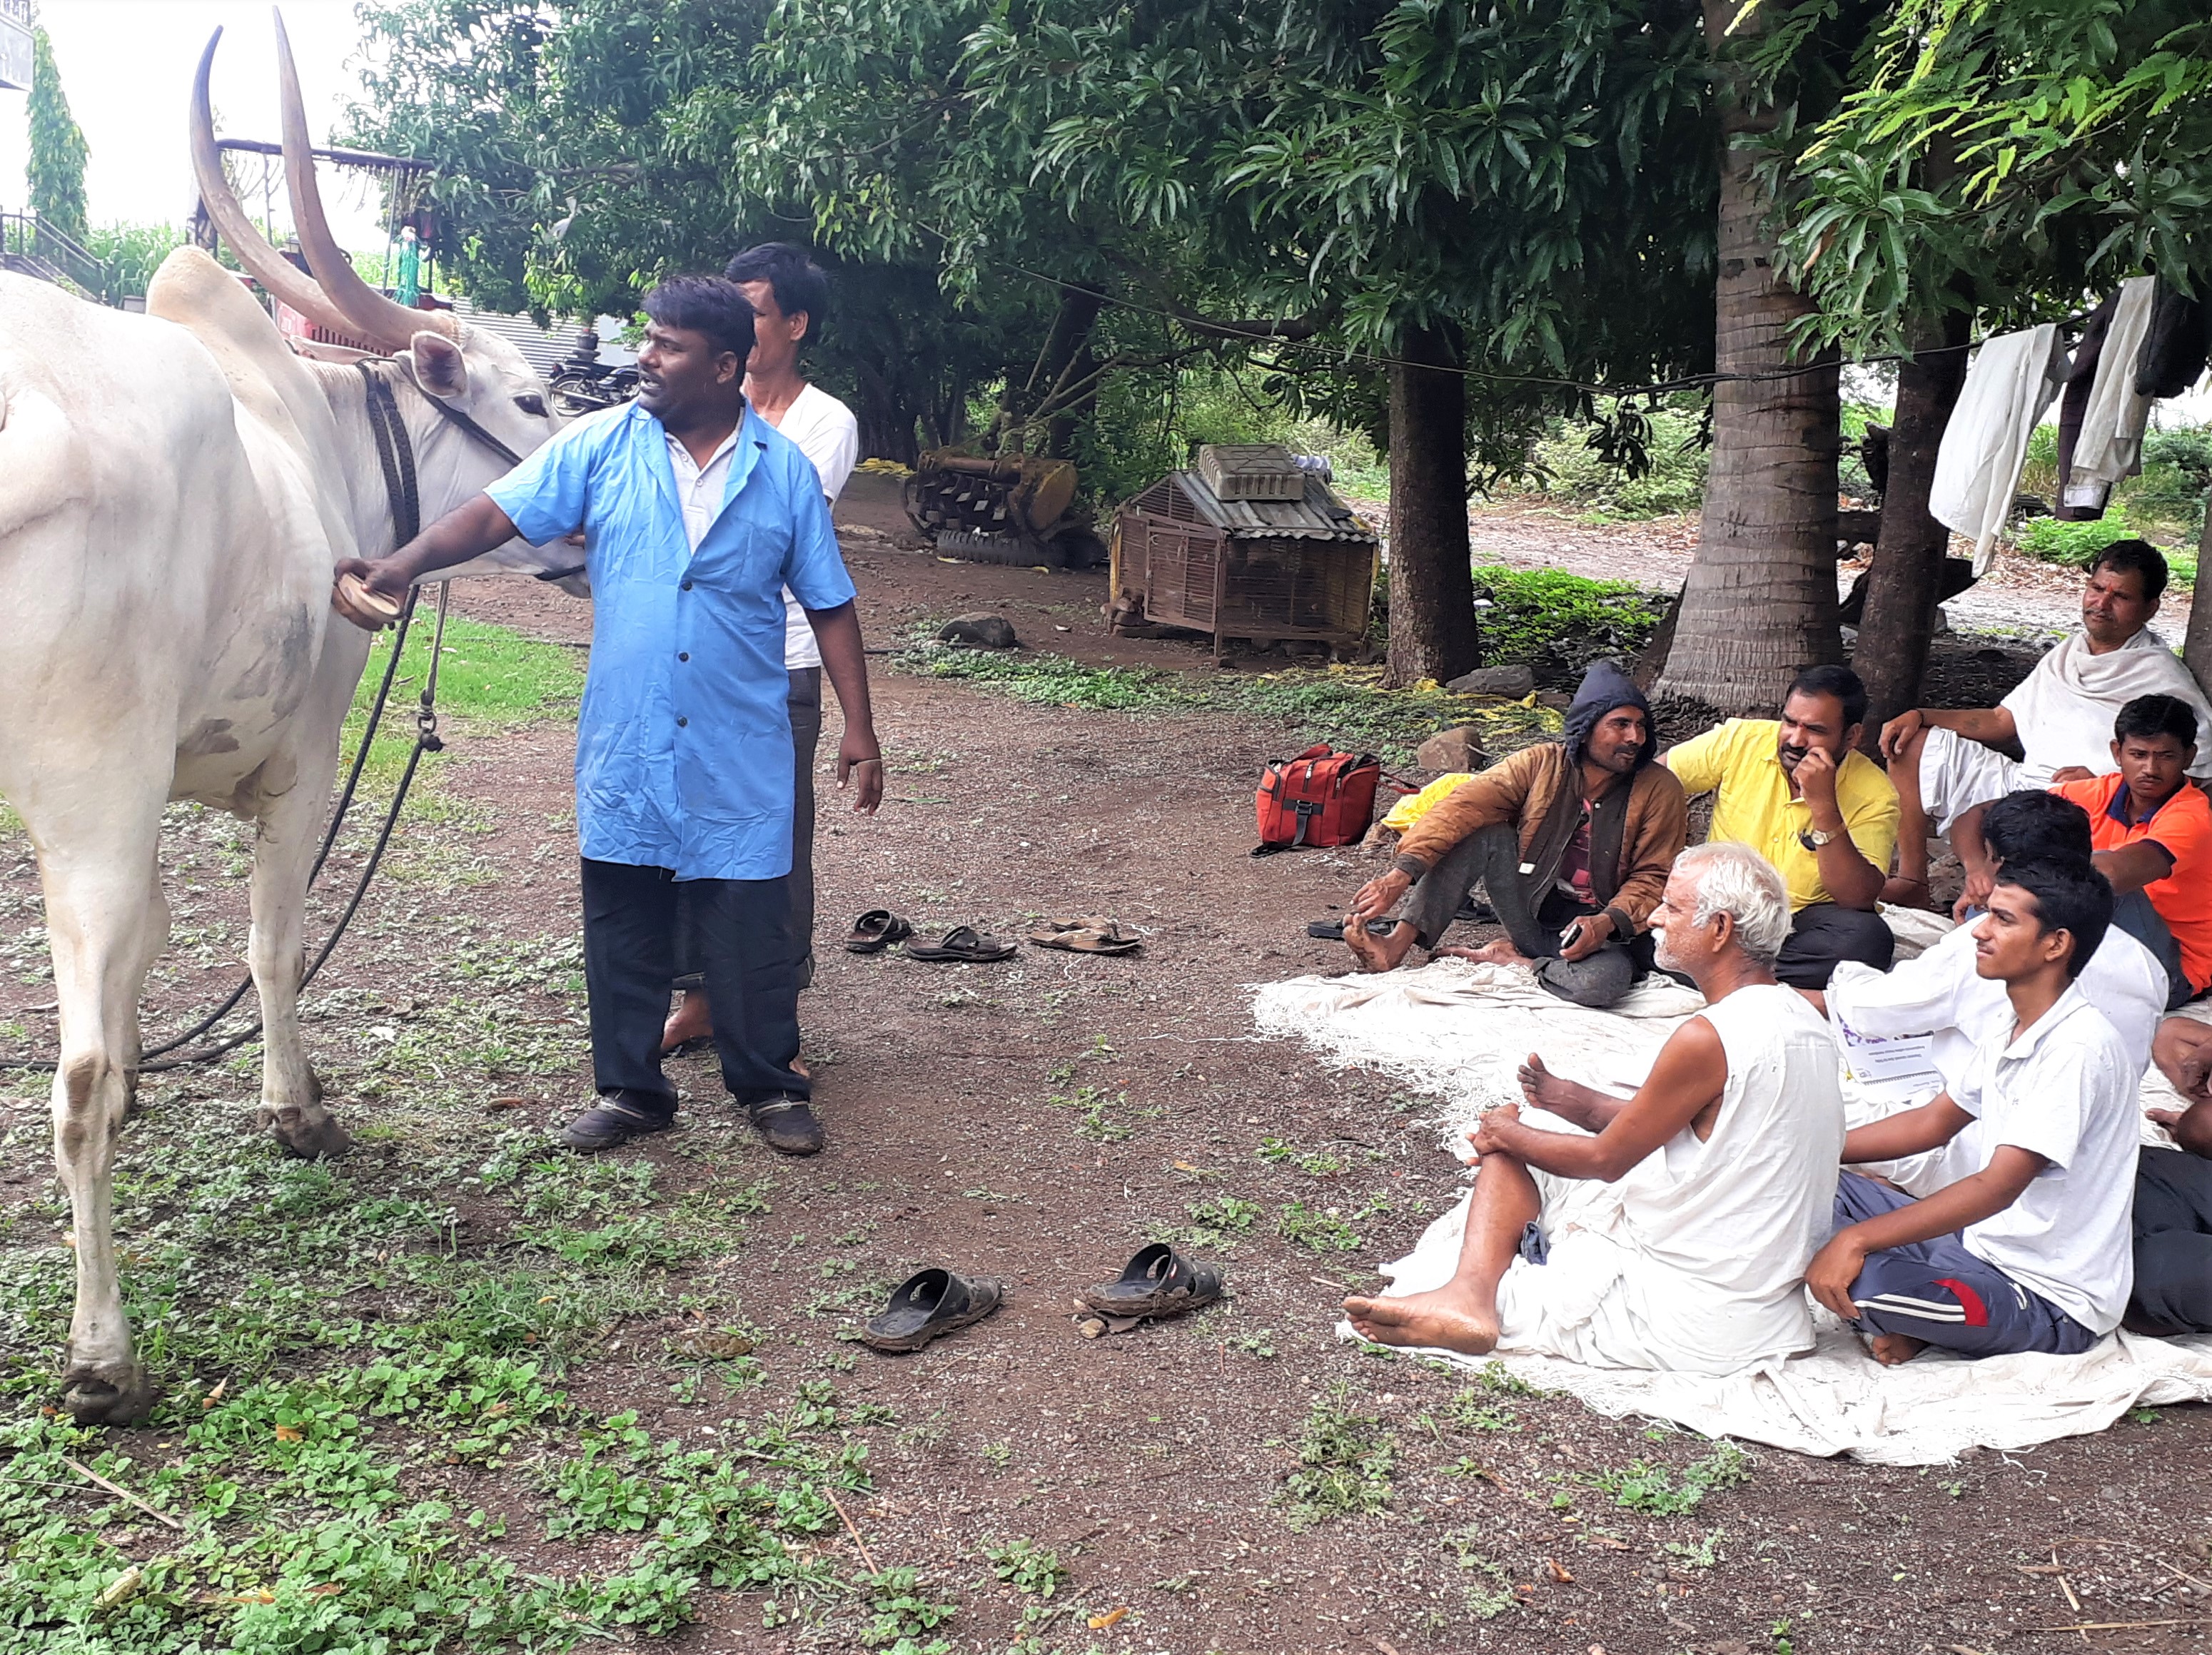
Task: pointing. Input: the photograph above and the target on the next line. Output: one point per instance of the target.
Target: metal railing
(18, 9)
(26, 237)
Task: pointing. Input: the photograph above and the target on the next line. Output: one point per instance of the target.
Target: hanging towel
(1977, 466)
(2110, 446)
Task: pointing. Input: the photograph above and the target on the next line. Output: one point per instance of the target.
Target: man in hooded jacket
(1572, 840)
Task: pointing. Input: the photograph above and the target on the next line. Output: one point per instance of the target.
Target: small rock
(1513, 681)
(982, 630)
(1453, 749)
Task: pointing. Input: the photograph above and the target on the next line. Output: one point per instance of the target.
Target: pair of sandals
(932, 1303)
(877, 930)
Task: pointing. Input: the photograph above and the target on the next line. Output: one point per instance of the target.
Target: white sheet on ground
(1836, 1399)
(1458, 1032)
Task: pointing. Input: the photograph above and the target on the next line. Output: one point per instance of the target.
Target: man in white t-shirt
(1947, 763)
(2032, 1250)
(1941, 993)
(790, 296)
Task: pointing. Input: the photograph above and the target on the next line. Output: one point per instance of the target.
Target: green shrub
(2168, 499)
(1558, 623)
(2074, 544)
(1577, 475)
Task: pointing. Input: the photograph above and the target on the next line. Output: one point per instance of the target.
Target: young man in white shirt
(2032, 1250)
(790, 297)
(1943, 993)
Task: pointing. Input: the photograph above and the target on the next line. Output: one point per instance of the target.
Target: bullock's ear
(438, 365)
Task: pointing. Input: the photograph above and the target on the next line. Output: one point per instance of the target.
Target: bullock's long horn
(263, 262)
(387, 322)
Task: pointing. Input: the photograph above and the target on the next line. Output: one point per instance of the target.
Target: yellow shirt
(1739, 759)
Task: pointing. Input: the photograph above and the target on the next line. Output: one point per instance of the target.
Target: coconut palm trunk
(1760, 601)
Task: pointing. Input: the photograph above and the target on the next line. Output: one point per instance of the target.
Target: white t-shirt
(2064, 1091)
(828, 434)
(1940, 993)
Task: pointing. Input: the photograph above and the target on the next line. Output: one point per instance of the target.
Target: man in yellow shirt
(1799, 792)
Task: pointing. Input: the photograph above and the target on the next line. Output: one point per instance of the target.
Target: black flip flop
(876, 931)
(928, 1306)
(1332, 930)
(1157, 1282)
(963, 944)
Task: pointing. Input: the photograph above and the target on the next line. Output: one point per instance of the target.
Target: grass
(1344, 1462)
(1345, 705)
(489, 678)
(1655, 1490)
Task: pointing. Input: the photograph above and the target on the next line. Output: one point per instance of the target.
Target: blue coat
(684, 745)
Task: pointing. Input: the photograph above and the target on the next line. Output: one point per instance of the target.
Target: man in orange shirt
(2152, 831)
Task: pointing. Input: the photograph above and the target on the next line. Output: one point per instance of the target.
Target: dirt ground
(1040, 1119)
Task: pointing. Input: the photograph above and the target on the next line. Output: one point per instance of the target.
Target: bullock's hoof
(319, 1138)
(107, 1393)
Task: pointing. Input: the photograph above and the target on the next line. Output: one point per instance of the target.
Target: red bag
(1321, 797)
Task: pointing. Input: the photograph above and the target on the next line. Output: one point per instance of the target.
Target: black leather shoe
(609, 1123)
(786, 1124)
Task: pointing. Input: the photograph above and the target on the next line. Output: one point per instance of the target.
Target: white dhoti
(1956, 775)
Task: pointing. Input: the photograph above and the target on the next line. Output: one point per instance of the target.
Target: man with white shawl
(1672, 1230)
(1945, 763)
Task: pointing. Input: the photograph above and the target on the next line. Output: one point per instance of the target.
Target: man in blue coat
(696, 514)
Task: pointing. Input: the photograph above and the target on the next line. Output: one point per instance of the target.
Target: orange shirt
(2183, 826)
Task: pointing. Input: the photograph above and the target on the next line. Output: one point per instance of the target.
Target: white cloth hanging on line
(2012, 381)
(2110, 446)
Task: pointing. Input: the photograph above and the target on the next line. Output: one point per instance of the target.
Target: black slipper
(963, 944)
(876, 931)
(609, 1125)
(691, 1047)
(928, 1305)
(1157, 1282)
(1332, 930)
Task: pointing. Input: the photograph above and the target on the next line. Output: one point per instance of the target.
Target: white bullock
(174, 490)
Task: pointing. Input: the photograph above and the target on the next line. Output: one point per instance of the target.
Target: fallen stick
(90, 1475)
(850, 1530)
(2117, 1626)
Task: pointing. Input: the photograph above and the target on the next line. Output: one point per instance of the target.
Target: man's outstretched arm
(1992, 726)
(1690, 1073)
(470, 530)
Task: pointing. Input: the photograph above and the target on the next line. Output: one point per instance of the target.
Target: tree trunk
(2196, 646)
(1432, 630)
(1908, 558)
(1761, 602)
(1045, 411)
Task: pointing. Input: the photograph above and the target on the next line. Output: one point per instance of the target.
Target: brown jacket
(1635, 831)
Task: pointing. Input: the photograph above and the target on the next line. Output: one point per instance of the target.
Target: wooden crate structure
(1258, 569)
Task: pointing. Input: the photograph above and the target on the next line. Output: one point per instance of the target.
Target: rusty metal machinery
(1012, 509)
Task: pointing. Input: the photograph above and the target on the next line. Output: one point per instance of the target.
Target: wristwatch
(1813, 837)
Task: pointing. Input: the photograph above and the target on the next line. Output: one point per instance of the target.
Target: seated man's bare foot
(1379, 953)
(1499, 953)
(693, 1019)
(1442, 1320)
(1891, 1348)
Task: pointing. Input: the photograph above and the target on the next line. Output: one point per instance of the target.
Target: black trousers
(2174, 1242)
(1823, 936)
(743, 932)
(1534, 919)
(806, 705)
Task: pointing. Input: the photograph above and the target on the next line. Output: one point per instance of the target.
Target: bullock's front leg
(291, 1097)
(105, 926)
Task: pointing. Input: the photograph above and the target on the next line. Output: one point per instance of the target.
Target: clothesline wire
(1375, 359)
